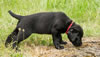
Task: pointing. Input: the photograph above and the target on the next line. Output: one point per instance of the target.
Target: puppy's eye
(71, 30)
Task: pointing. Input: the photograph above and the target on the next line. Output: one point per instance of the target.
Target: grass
(84, 12)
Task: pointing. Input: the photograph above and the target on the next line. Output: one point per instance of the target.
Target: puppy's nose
(78, 44)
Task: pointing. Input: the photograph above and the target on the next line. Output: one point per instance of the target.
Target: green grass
(84, 12)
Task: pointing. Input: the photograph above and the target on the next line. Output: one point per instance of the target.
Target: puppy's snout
(78, 44)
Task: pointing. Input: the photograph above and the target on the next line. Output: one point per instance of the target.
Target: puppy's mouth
(77, 44)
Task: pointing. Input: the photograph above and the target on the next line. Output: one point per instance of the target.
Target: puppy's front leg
(56, 41)
(61, 41)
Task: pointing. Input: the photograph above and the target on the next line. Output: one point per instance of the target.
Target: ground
(90, 48)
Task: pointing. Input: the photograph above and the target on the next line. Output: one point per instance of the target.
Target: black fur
(53, 23)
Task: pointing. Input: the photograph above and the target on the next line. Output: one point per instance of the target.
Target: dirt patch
(90, 48)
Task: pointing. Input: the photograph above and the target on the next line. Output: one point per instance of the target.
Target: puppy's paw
(63, 42)
(60, 47)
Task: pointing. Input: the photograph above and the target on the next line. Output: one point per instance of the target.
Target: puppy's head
(75, 35)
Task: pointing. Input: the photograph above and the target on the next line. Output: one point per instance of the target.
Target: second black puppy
(53, 23)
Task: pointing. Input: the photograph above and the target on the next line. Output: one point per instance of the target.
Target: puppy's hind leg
(22, 35)
(10, 37)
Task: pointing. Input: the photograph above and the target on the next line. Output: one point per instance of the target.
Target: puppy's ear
(75, 36)
(72, 35)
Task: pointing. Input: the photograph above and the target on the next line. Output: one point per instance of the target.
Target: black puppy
(53, 23)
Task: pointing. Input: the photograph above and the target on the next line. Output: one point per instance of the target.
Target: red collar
(69, 27)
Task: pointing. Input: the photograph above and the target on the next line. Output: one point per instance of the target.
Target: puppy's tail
(15, 15)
